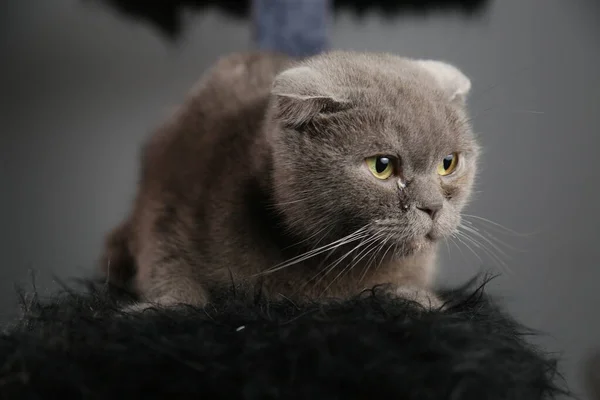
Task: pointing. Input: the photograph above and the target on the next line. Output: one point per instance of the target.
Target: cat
(315, 178)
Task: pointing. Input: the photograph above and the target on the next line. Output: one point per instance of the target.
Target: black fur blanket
(79, 345)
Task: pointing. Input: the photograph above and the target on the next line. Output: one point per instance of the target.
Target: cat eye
(382, 167)
(448, 164)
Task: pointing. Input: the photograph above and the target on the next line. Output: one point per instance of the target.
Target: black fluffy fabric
(166, 15)
(80, 346)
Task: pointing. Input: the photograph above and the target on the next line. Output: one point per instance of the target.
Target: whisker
(457, 246)
(359, 234)
(457, 236)
(385, 253)
(330, 268)
(325, 259)
(500, 263)
(369, 243)
(448, 248)
(478, 234)
(491, 236)
(496, 224)
(528, 111)
(368, 250)
(372, 259)
(331, 227)
(495, 109)
(463, 256)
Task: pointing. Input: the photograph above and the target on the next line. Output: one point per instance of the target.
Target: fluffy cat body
(260, 177)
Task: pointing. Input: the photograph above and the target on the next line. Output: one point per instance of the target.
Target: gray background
(82, 87)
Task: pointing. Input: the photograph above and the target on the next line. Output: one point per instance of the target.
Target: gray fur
(265, 161)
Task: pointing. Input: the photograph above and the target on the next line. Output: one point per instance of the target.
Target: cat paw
(424, 297)
(140, 307)
(158, 304)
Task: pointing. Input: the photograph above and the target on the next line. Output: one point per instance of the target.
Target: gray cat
(317, 178)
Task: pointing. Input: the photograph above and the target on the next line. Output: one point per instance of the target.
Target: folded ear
(300, 94)
(450, 78)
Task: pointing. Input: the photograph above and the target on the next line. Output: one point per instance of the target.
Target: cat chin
(417, 245)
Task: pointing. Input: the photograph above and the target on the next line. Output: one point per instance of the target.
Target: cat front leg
(161, 285)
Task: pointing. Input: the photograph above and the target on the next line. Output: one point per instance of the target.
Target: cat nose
(431, 209)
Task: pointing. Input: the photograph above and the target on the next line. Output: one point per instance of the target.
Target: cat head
(373, 143)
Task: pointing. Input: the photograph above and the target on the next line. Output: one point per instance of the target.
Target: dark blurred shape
(393, 7)
(165, 15)
(292, 27)
(592, 375)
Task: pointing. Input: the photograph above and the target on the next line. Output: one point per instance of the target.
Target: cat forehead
(423, 135)
(349, 74)
(415, 133)
(385, 98)
(419, 129)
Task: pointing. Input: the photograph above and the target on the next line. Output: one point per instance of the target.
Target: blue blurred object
(294, 27)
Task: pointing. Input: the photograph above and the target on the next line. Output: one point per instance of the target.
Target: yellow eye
(380, 166)
(448, 164)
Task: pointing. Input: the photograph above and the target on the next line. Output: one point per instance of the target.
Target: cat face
(375, 144)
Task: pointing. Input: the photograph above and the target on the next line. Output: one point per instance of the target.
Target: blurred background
(83, 84)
